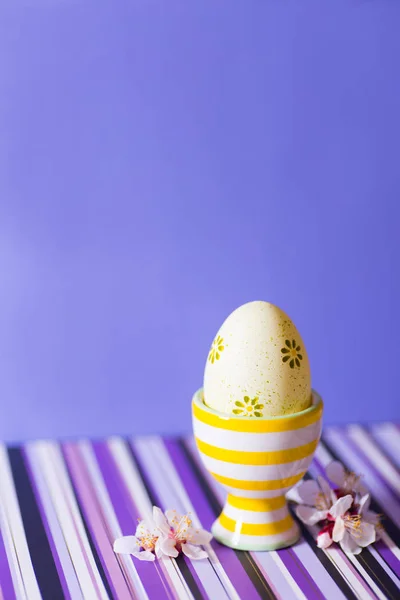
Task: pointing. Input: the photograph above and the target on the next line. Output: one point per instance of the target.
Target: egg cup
(257, 460)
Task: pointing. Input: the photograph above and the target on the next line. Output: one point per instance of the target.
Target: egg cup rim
(317, 403)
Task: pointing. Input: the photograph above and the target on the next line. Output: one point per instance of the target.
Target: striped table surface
(63, 505)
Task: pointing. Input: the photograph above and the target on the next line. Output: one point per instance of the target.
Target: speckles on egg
(257, 353)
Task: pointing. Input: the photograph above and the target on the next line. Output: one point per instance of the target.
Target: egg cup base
(238, 541)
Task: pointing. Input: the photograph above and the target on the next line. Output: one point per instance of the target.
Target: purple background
(162, 163)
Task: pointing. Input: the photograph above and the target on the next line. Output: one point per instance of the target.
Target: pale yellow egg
(257, 365)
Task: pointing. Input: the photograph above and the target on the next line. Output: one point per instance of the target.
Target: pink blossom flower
(142, 545)
(177, 534)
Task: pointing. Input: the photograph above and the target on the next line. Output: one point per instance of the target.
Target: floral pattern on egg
(216, 348)
(257, 355)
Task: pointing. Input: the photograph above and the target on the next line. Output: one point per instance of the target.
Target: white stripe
(338, 558)
(382, 493)
(54, 525)
(11, 553)
(257, 541)
(255, 493)
(221, 495)
(140, 497)
(321, 576)
(154, 454)
(325, 458)
(366, 577)
(12, 515)
(252, 516)
(388, 436)
(50, 472)
(376, 457)
(282, 567)
(255, 472)
(384, 566)
(256, 442)
(108, 511)
(59, 464)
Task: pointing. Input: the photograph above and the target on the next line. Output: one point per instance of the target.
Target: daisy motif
(291, 350)
(216, 349)
(249, 407)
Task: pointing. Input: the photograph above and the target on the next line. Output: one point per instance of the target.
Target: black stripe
(38, 543)
(251, 568)
(89, 535)
(391, 527)
(331, 568)
(378, 575)
(180, 560)
(369, 562)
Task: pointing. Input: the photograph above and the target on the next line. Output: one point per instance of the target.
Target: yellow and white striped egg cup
(257, 460)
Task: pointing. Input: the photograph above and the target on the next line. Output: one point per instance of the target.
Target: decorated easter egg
(257, 365)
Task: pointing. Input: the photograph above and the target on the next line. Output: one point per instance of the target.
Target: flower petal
(292, 364)
(308, 492)
(237, 403)
(144, 528)
(144, 555)
(326, 490)
(338, 530)
(324, 540)
(193, 552)
(341, 506)
(126, 545)
(335, 471)
(173, 517)
(200, 536)
(237, 411)
(372, 517)
(364, 503)
(367, 535)
(160, 520)
(167, 547)
(349, 545)
(285, 358)
(309, 515)
(285, 350)
(287, 343)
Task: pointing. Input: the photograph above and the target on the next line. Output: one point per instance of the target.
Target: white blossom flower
(178, 533)
(347, 481)
(142, 545)
(352, 531)
(317, 499)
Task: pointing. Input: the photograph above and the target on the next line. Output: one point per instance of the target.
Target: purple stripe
(382, 459)
(385, 552)
(388, 557)
(317, 466)
(303, 579)
(127, 515)
(161, 504)
(374, 479)
(95, 520)
(288, 556)
(385, 445)
(42, 511)
(227, 558)
(6, 582)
